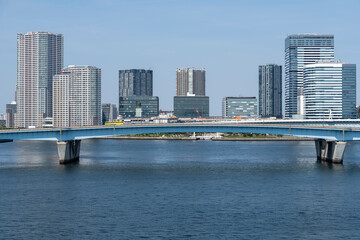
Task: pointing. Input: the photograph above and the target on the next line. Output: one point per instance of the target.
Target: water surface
(127, 189)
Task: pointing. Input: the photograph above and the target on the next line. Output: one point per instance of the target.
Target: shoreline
(212, 139)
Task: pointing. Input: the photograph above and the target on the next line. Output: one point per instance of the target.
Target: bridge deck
(320, 132)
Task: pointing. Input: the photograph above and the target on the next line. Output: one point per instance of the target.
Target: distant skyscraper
(109, 112)
(10, 114)
(77, 97)
(330, 90)
(270, 90)
(302, 49)
(190, 82)
(40, 55)
(239, 107)
(135, 82)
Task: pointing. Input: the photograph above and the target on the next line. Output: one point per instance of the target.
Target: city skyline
(236, 43)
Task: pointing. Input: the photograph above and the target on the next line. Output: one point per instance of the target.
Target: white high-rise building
(40, 55)
(330, 90)
(77, 97)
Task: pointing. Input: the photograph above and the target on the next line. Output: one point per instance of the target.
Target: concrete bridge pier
(331, 151)
(69, 151)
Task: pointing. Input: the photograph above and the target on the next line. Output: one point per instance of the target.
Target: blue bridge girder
(328, 133)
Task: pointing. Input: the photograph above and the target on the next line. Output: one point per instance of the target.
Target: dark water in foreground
(178, 190)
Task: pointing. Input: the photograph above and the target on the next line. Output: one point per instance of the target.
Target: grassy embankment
(225, 135)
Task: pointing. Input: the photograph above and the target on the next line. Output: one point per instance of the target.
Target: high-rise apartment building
(330, 90)
(300, 50)
(135, 82)
(77, 97)
(190, 82)
(239, 107)
(270, 90)
(40, 55)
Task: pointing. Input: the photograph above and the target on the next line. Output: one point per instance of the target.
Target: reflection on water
(331, 166)
(178, 190)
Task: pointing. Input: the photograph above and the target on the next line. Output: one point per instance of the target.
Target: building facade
(135, 82)
(270, 91)
(109, 112)
(300, 50)
(191, 106)
(330, 90)
(190, 82)
(10, 114)
(40, 55)
(77, 97)
(138, 107)
(240, 107)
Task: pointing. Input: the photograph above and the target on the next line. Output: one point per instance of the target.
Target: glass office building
(239, 107)
(330, 90)
(270, 91)
(138, 107)
(300, 50)
(191, 106)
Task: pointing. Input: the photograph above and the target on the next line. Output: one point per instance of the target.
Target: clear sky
(229, 38)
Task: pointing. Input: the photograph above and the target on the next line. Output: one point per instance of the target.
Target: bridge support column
(69, 151)
(331, 151)
(320, 145)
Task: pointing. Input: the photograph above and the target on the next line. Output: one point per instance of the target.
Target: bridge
(330, 139)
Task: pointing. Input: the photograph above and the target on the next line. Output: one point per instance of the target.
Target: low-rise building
(138, 107)
(191, 106)
(240, 107)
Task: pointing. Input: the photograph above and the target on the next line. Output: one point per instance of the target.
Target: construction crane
(197, 112)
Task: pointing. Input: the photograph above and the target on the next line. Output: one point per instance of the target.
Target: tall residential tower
(270, 90)
(300, 50)
(135, 82)
(40, 55)
(190, 82)
(190, 100)
(77, 97)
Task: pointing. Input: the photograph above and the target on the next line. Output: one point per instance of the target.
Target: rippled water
(126, 189)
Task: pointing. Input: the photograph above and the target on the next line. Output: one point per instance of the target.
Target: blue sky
(228, 38)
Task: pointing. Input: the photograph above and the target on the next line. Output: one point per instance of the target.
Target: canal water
(131, 189)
